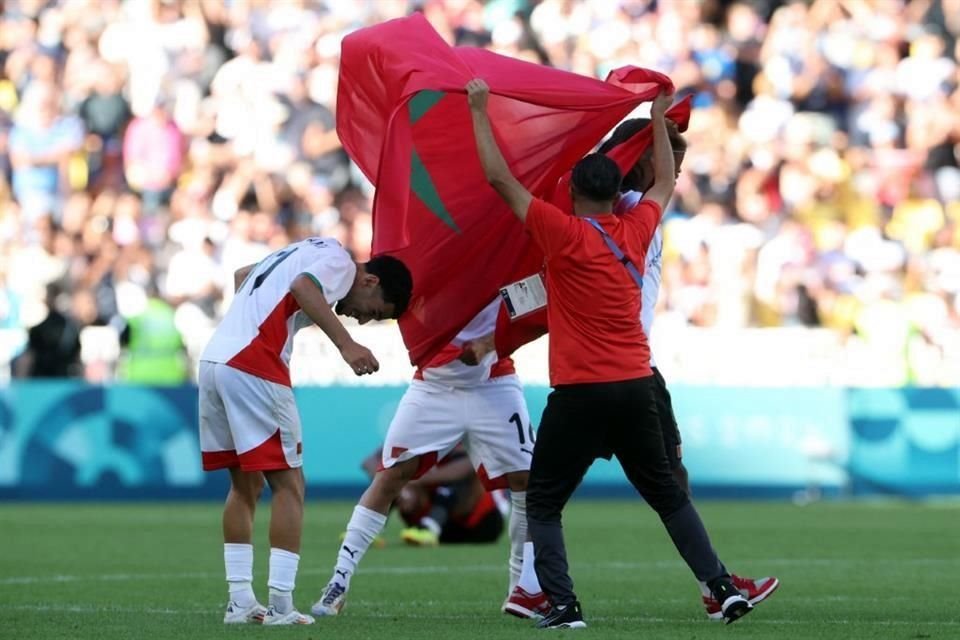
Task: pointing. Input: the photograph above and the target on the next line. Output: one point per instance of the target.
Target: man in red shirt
(603, 400)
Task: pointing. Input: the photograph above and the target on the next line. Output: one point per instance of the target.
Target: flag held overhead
(403, 118)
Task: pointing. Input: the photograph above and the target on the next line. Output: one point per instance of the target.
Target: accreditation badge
(523, 297)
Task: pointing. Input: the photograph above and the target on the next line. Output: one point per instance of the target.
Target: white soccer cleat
(331, 602)
(235, 614)
(274, 618)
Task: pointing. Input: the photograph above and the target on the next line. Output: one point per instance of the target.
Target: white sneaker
(331, 602)
(272, 617)
(235, 614)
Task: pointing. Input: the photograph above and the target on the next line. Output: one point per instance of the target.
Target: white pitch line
(477, 568)
(80, 608)
(109, 577)
(85, 608)
(196, 575)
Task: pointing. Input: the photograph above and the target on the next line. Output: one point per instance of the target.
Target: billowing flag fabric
(403, 117)
(513, 334)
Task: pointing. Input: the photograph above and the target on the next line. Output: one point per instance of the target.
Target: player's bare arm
(476, 350)
(664, 174)
(240, 275)
(310, 298)
(494, 166)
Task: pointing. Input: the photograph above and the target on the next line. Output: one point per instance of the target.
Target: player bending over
(248, 417)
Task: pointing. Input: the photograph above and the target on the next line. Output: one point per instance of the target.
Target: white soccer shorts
(490, 419)
(246, 421)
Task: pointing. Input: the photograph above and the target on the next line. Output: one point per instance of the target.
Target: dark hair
(596, 177)
(395, 281)
(629, 128)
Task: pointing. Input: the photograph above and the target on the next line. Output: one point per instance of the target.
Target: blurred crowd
(150, 147)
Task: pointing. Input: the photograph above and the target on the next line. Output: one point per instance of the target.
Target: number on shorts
(280, 257)
(515, 419)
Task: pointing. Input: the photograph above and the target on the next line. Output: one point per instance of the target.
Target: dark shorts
(486, 531)
(668, 422)
(582, 422)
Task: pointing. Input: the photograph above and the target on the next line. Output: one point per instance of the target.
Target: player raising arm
(602, 403)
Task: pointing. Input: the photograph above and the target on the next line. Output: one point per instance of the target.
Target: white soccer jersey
(256, 335)
(652, 265)
(446, 368)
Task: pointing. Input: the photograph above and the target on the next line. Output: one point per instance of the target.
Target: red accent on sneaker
(753, 589)
(533, 606)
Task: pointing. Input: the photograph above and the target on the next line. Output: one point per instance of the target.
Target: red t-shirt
(592, 302)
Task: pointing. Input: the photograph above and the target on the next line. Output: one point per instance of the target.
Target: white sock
(528, 576)
(238, 560)
(283, 578)
(365, 525)
(704, 589)
(518, 535)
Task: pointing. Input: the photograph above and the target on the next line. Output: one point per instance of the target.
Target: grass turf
(884, 570)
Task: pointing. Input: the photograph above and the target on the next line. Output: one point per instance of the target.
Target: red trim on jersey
(213, 460)
(492, 484)
(261, 357)
(427, 461)
(267, 456)
(446, 355)
(500, 368)
(484, 506)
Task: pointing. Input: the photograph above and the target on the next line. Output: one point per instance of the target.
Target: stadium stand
(167, 142)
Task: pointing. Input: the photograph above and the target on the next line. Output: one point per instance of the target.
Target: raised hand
(661, 103)
(477, 94)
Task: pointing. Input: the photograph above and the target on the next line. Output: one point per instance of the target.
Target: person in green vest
(154, 352)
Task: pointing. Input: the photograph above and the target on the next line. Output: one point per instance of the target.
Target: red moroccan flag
(403, 117)
(511, 335)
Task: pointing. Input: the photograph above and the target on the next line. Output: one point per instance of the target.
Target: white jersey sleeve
(652, 267)
(256, 334)
(333, 276)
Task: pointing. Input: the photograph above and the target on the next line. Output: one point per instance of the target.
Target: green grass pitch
(848, 570)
